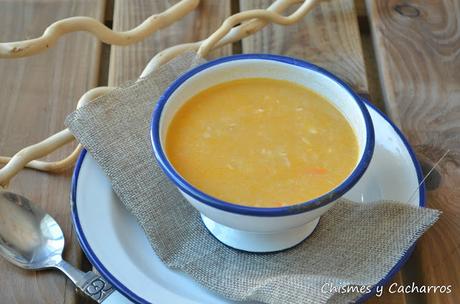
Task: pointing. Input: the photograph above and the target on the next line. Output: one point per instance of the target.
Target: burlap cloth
(354, 243)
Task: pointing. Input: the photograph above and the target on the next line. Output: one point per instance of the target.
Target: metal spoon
(32, 239)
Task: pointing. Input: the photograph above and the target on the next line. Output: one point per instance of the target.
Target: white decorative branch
(251, 22)
(91, 25)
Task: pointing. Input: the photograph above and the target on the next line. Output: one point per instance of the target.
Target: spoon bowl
(29, 238)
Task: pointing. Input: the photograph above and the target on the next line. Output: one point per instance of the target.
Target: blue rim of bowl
(202, 197)
(137, 299)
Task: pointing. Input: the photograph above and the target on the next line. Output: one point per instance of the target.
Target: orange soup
(261, 142)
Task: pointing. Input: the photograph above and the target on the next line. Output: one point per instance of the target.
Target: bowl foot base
(256, 241)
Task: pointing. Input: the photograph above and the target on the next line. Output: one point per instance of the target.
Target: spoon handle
(90, 283)
(95, 287)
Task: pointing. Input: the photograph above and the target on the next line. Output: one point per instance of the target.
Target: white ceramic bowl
(258, 229)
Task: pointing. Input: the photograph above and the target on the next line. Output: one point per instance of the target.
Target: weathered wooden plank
(329, 37)
(418, 50)
(127, 63)
(361, 8)
(36, 95)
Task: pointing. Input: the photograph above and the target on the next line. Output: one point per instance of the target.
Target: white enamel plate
(116, 245)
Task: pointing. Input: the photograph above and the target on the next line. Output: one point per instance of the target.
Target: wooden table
(403, 55)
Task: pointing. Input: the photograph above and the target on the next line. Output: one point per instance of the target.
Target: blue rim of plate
(137, 299)
(204, 198)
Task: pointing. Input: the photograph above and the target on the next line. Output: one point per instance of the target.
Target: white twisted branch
(28, 155)
(231, 35)
(74, 24)
(251, 22)
(265, 15)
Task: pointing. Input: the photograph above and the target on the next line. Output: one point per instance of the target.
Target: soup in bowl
(261, 145)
